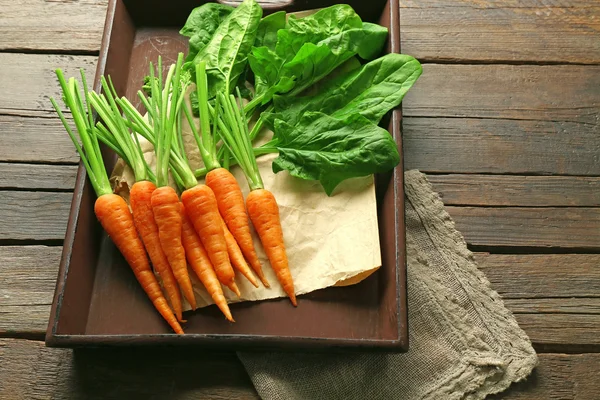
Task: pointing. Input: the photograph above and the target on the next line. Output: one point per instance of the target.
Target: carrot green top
(84, 122)
(118, 136)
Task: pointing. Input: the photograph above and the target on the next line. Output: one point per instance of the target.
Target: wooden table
(505, 120)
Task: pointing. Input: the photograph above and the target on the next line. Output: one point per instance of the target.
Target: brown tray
(97, 299)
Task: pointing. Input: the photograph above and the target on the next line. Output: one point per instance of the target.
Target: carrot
(201, 206)
(110, 209)
(231, 206)
(264, 213)
(114, 132)
(114, 216)
(165, 202)
(262, 207)
(200, 263)
(199, 200)
(228, 194)
(236, 256)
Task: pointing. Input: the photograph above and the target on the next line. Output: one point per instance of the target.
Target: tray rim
(239, 341)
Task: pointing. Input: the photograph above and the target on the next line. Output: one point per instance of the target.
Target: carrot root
(116, 219)
(237, 258)
(200, 263)
(201, 208)
(139, 198)
(166, 208)
(264, 213)
(230, 201)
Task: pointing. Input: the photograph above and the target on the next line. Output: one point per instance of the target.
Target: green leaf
(266, 34)
(201, 25)
(331, 150)
(371, 91)
(226, 53)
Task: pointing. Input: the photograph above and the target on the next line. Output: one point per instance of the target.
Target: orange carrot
(200, 263)
(264, 213)
(236, 256)
(231, 206)
(201, 207)
(139, 199)
(114, 216)
(111, 210)
(166, 208)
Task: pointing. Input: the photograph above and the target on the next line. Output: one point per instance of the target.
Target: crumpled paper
(330, 241)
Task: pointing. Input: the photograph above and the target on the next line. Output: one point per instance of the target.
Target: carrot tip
(233, 287)
(293, 300)
(265, 282)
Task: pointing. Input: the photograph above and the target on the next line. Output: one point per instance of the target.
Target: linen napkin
(464, 344)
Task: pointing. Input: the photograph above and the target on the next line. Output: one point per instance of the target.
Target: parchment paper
(329, 240)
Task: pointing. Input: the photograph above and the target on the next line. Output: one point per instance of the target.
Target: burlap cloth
(464, 344)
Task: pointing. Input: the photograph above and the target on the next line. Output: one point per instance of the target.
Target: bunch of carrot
(207, 226)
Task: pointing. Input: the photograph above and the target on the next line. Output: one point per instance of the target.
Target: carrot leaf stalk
(260, 203)
(110, 209)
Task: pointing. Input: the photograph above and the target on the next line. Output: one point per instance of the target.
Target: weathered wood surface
(529, 227)
(34, 215)
(28, 80)
(522, 276)
(36, 372)
(60, 25)
(501, 146)
(124, 373)
(524, 92)
(27, 280)
(35, 139)
(510, 190)
(37, 176)
(501, 30)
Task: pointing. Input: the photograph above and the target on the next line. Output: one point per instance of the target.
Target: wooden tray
(97, 299)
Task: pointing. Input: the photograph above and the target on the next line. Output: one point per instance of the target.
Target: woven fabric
(464, 344)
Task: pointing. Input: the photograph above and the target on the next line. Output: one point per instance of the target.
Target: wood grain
(501, 146)
(34, 215)
(35, 139)
(559, 376)
(511, 190)
(501, 30)
(32, 77)
(570, 330)
(550, 93)
(529, 227)
(536, 276)
(32, 371)
(27, 280)
(577, 305)
(36, 176)
(184, 374)
(58, 25)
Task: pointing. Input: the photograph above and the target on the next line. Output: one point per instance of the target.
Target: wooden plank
(28, 80)
(193, 374)
(512, 190)
(501, 30)
(559, 376)
(123, 373)
(529, 227)
(34, 215)
(34, 139)
(61, 26)
(27, 281)
(501, 146)
(36, 176)
(507, 91)
(586, 306)
(529, 276)
(571, 330)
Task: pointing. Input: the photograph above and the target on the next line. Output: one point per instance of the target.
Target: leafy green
(266, 34)
(371, 91)
(310, 48)
(201, 25)
(331, 150)
(226, 52)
